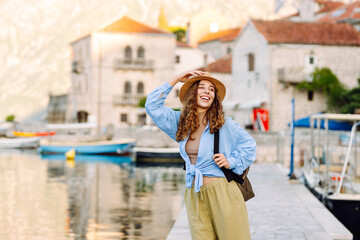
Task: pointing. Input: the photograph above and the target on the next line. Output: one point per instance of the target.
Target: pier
(281, 209)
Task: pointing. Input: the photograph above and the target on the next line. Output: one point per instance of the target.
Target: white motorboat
(334, 178)
(10, 143)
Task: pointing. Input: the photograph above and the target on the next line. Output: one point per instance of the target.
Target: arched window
(127, 87)
(141, 53)
(251, 60)
(128, 52)
(140, 88)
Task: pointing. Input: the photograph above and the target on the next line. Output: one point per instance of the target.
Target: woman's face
(205, 95)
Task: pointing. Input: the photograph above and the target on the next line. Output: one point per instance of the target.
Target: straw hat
(220, 87)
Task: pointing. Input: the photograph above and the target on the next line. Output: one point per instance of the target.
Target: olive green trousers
(218, 212)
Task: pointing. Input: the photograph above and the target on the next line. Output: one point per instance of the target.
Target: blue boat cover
(333, 124)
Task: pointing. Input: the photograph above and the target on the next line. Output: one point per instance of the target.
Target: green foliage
(351, 100)
(325, 80)
(338, 97)
(180, 33)
(10, 118)
(142, 102)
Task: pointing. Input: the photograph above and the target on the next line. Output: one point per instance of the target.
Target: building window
(127, 87)
(123, 118)
(142, 119)
(251, 61)
(229, 50)
(140, 88)
(177, 59)
(311, 60)
(141, 53)
(82, 116)
(128, 52)
(310, 95)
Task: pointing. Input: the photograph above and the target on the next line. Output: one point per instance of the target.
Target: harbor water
(94, 197)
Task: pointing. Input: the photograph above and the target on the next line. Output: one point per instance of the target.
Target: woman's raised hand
(184, 76)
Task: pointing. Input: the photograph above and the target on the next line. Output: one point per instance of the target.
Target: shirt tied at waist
(190, 174)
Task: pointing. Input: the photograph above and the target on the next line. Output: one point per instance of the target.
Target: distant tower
(162, 20)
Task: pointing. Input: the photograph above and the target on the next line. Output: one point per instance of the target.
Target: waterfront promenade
(281, 209)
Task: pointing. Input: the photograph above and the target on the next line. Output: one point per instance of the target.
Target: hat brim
(220, 87)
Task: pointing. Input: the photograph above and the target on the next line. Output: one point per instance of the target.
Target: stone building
(57, 108)
(115, 67)
(271, 57)
(220, 43)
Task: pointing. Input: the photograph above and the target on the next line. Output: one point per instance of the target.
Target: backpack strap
(229, 174)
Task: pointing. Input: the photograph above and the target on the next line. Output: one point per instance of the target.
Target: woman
(215, 207)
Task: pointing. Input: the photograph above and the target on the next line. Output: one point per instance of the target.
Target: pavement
(281, 210)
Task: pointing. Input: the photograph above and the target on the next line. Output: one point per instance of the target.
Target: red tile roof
(308, 33)
(349, 11)
(222, 65)
(224, 36)
(327, 6)
(126, 24)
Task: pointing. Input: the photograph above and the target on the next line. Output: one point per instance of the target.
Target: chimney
(205, 60)
(188, 25)
(307, 11)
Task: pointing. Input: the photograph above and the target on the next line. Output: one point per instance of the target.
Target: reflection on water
(93, 197)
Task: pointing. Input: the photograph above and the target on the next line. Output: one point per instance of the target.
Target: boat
(118, 160)
(5, 127)
(142, 152)
(21, 143)
(335, 180)
(33, 134)
(157, 155)
(112, 147)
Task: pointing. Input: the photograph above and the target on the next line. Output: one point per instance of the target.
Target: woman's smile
(206, 94)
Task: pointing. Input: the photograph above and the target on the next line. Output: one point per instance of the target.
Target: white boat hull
(10, 143)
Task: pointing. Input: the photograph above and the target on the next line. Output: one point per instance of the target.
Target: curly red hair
(189, 118)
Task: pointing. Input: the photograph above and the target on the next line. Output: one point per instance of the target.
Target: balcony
(133, 64)
(292, 75)
(127, 99)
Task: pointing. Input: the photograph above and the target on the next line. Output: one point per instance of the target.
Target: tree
(10, 118)
(142, 102)
(326, 81)
(180, 33)
(351, 100)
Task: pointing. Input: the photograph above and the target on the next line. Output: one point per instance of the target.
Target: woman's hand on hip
(221, 160)
(184, 76)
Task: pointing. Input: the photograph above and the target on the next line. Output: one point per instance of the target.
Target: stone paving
(281, 209)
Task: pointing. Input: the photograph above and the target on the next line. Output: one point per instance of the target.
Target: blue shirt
(236, 144)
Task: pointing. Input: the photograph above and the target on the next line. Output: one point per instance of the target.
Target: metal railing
(292, 75)
(127, 99)
(128, 63)
(353, 130)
